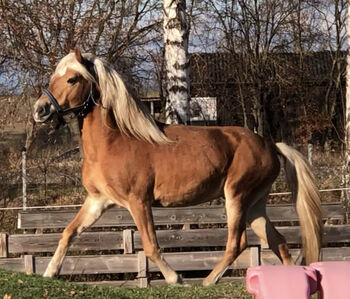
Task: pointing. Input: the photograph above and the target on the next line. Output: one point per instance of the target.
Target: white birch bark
(176, 31)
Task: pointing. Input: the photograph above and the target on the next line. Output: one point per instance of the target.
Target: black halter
(80, 110)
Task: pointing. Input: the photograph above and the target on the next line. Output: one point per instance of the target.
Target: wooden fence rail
(128, 240)
(119, 249)
(167, 216)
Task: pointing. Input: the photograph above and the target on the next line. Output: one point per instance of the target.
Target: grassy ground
(19, 285)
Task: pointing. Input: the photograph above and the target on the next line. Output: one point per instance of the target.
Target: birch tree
(176, 32)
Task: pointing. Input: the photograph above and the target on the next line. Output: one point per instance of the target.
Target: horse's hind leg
(87, 215)
(264, 229)
(236, 241)
(141, 211)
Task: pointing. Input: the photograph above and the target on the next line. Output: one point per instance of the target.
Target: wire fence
(59, 176)
(79, 205)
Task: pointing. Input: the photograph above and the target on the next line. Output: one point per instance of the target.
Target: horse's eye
(72, 80)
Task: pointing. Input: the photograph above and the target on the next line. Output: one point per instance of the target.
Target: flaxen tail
(302, 183)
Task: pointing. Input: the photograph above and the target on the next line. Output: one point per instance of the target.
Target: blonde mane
(130, 114)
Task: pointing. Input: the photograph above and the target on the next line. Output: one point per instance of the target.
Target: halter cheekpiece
(80, 110)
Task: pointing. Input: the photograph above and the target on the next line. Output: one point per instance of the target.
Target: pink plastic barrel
(276, 282)
(334, 279)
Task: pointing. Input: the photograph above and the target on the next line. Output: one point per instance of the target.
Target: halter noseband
(80, 110)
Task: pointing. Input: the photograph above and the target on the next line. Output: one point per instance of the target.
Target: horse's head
(71, 89)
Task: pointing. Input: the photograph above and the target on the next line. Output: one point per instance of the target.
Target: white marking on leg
(87, 215)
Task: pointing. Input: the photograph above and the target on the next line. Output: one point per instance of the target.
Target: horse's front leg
(141, 211)
(91, 210)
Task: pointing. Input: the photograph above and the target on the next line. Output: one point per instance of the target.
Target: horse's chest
(115, 180)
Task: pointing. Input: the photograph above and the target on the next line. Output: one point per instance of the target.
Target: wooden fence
(193, 239)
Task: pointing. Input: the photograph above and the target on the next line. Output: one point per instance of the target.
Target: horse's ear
(78, 55)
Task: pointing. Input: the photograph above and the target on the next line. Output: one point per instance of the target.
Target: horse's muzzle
(42, 111)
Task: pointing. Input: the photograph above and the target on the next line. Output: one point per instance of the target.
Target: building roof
(219, 68)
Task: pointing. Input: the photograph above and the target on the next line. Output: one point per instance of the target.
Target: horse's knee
(66, 236)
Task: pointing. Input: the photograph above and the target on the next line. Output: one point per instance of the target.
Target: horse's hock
(115, 248)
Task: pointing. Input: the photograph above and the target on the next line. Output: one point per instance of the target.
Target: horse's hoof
(176, 280)
(208, 282)
(48, 274)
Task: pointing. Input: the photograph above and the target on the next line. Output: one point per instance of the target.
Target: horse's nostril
(41, 111)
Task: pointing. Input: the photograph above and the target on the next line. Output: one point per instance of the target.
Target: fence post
(345, 194)
(128, 241)
(3, 245)
(142, 269)
(24, 178)
(29, 264)
(255, 256)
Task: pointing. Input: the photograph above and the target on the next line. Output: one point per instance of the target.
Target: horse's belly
(188, 193)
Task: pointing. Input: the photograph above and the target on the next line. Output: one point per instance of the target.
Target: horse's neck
(96, 134)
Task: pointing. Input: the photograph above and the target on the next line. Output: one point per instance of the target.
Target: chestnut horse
(132, 161)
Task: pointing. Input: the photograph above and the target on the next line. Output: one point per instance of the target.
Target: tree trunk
(347, 112)
(176, 31)
(243, 105)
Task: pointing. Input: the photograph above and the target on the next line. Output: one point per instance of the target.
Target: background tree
(346, 169)
(271, 49)
(252, 30)
(262, 74)
(176, 34)
(36, 34)
(332, 38)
